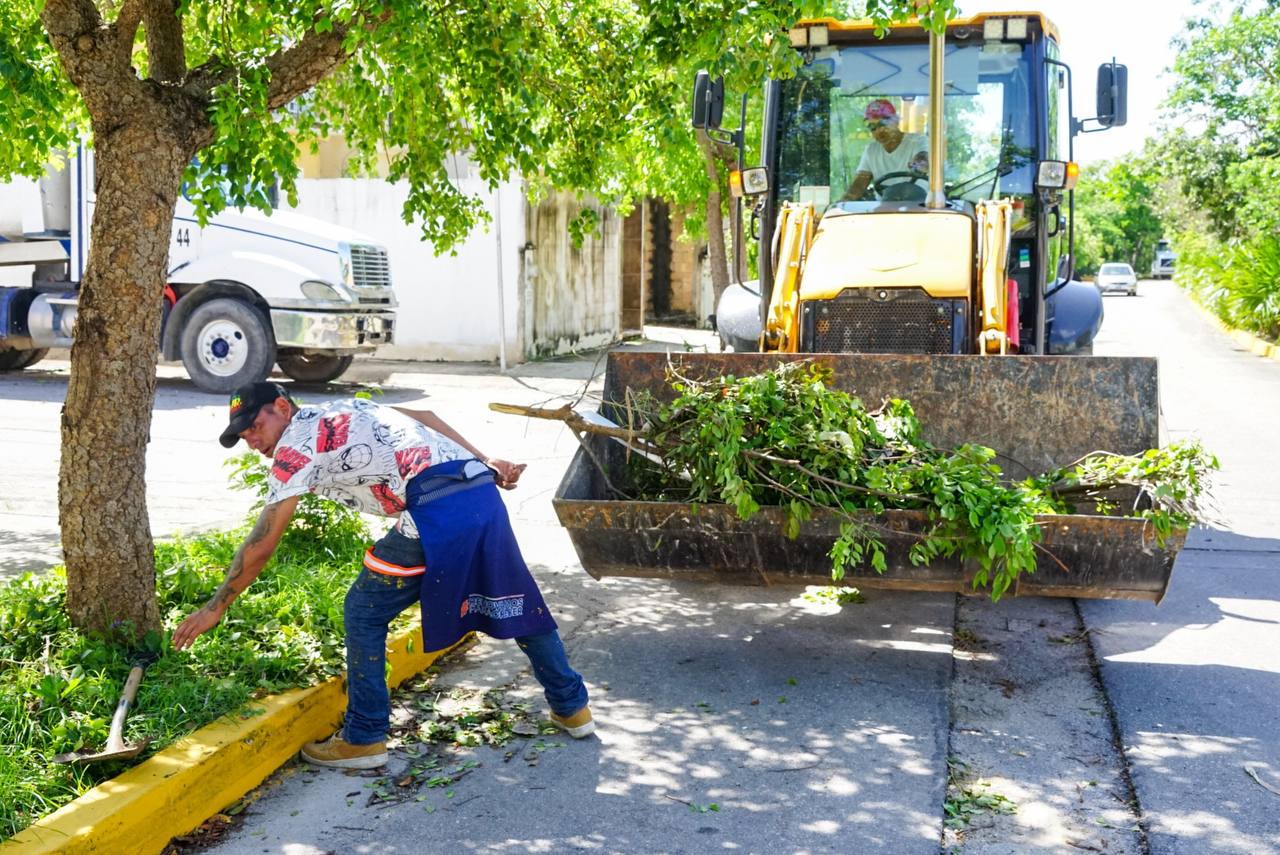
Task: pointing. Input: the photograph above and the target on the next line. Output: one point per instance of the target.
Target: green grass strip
(59, 687)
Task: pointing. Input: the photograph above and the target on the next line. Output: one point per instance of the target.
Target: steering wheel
(903, 191)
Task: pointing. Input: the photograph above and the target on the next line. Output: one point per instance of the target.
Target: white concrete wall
(449, 303)
(556, 297)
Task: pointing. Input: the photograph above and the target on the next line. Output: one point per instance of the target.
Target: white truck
(245, 292)
(1163, 260)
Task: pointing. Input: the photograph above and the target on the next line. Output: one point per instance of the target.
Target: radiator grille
(870, 321)
(370, 268)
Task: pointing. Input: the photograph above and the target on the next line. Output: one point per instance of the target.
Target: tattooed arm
(250, 558)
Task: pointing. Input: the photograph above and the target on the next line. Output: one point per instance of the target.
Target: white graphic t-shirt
(357, 453)
(879, 162)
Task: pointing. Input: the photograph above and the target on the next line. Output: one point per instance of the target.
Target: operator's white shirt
(879, 162)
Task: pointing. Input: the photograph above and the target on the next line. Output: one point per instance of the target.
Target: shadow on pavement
(1194, 684)
(809, 728)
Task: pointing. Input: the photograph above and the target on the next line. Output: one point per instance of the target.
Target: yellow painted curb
(173, 792)
(1247, 340)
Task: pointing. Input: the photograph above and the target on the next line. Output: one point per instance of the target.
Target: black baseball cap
(245, 404)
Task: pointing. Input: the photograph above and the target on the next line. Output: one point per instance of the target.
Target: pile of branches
(786, 438)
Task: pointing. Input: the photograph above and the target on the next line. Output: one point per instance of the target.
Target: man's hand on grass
(198, 622)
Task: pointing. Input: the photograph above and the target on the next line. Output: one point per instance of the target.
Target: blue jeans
(375, 599)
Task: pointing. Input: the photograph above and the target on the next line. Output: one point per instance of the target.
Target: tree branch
(126, 27)
(294, 70)
(166, 50)
(298, 68)
(78, 33)
(91, 54)
(68, 20)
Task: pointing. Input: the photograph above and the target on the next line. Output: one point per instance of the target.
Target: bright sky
(1138, 33)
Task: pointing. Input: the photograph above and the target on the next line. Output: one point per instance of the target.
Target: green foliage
(1163, 485)
(1238, 280)
(591, 96)
(967, 797)
(785, 438)
(1222, 201)
(59, 687)
(1116, 218)
(1224, 76)
(40, 110)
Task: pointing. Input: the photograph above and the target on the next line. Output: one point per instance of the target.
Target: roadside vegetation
(1206, 178)
(1219, 168)
(59, 686)
(1116, 216)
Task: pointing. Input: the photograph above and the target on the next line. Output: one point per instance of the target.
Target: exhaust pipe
(937, 197)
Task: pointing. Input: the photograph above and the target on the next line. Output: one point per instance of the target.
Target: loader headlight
(749, 182)
(324, 292)
(1057, 174)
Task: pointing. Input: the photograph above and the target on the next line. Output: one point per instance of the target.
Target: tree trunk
(717, 257)
(106, 420)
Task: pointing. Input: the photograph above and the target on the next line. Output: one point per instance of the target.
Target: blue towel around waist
(476, 579)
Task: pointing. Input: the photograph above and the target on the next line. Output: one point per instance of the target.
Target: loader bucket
(1036, 412)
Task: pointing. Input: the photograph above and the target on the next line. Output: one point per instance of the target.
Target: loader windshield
(833, 115)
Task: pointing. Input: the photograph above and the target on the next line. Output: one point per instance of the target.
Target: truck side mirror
(708, 101)
(1113, 95)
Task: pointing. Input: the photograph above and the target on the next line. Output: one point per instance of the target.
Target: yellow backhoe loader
(913, 213)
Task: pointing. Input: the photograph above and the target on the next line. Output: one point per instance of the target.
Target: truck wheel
(314, 367)
(15, 360)
(226, 344)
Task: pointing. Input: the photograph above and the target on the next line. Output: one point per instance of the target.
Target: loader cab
(1007, 109)
(835, 114)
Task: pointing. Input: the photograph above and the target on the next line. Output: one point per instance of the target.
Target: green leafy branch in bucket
(1168, 486)
(786, 438)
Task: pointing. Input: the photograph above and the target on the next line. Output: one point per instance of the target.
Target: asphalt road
(1194, 682)
(809, 727)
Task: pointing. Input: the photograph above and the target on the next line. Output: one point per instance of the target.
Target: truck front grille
(881, 320)
(370, 270)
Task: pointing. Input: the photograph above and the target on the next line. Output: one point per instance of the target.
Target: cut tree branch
(567, 415)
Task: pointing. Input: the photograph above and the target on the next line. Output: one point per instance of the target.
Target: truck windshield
(864, 108)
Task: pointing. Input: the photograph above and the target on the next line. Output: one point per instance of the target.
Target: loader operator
(890, 151)
(452, 549)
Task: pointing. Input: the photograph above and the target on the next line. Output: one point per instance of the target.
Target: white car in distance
(1117, 276)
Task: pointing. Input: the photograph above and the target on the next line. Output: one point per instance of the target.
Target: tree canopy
(588, 96)
(1117, 216)
(1220, 162)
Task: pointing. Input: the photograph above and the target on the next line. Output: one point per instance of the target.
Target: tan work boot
(579, 725)
(337, 753)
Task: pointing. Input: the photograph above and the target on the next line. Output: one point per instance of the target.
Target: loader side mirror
(708, 101)
(1113, 94)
